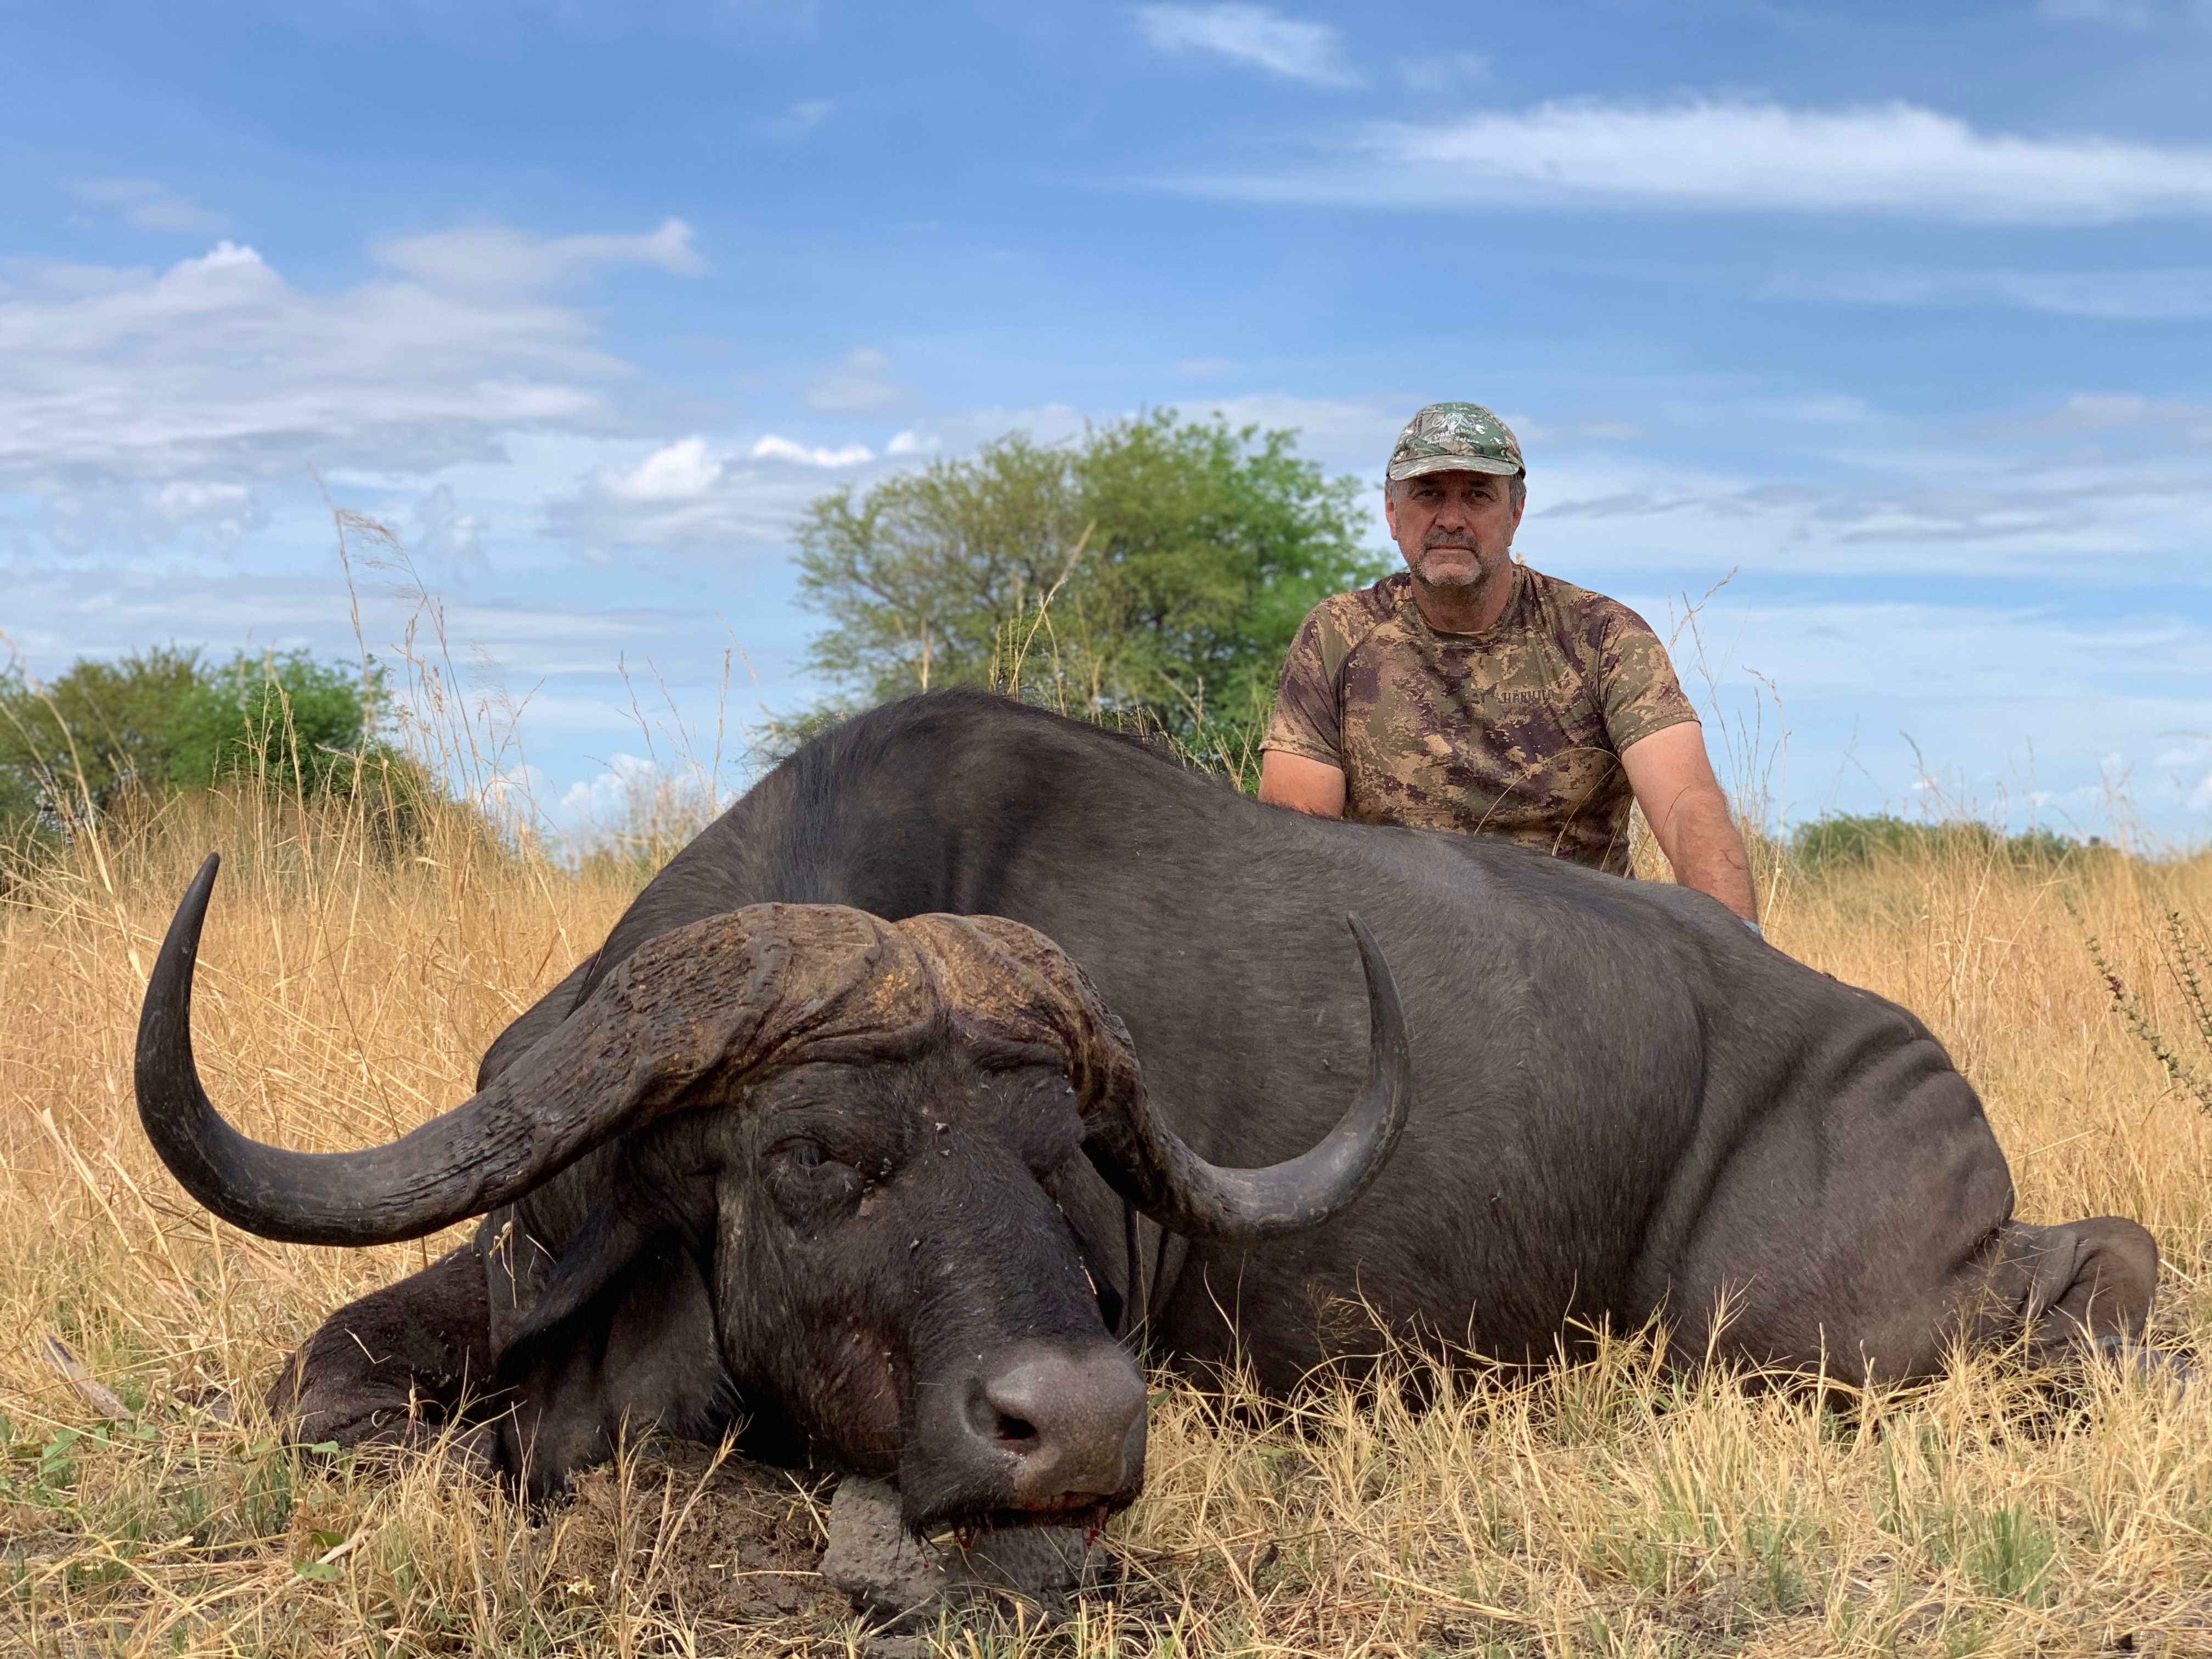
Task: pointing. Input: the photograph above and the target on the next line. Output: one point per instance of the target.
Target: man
(1471, 693)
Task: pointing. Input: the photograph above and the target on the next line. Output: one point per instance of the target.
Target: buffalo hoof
(2147, 1364)
(889, 1573)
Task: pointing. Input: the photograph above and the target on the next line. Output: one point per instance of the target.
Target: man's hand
(1688, 814)
(1303, 785)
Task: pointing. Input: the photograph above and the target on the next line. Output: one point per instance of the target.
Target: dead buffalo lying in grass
(766, 1161)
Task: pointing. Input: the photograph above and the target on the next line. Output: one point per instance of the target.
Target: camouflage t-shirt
(1516, 732)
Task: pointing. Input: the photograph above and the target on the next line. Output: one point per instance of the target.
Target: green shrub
(289, 721)
(154, 722)
(1843, 840)
(74, 747)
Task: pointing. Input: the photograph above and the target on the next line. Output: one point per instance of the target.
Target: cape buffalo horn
(579, 1088)
(1148, 1166)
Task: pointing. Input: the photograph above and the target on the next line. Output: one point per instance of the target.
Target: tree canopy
(166, 719)
(1152, 563)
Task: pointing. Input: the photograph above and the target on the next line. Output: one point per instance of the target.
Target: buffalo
(975, 1047)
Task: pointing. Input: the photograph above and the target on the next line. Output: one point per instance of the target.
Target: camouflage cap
(1454, 438)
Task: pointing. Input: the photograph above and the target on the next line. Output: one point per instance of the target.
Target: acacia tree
(1154, 563)
(921, 576)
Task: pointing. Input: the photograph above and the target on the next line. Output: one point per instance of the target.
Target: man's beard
(1453, 579)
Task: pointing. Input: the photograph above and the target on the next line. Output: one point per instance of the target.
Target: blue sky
(1901, 312)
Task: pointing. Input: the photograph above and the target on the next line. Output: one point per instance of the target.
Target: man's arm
(1303, 785)
(1688, 814)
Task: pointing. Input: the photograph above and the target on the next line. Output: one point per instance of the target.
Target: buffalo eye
(812, 1185)
(810, 1157)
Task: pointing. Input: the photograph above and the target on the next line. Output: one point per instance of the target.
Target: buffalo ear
(622, 1340)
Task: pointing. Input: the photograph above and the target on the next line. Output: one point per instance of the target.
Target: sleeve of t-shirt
(1639, 690)
(1308, 720)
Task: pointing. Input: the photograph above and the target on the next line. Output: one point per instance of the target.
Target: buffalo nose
(1074, 1421)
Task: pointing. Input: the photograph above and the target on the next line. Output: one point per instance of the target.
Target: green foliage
(41, 1470)
(2189, 960)
(153, 721)
(2006, 1553)
(84, 740)
(289, 721)
(779, 735)
(1845, 840)
(1154, 565)
(19, 804)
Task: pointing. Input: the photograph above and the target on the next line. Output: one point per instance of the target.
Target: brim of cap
(1452, 464)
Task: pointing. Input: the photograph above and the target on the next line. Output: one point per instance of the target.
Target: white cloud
(685, 498)
(106, 512)
(58, 612)
(683, 494)
(801, 119)
(149, 205)
(610, 796)
(2108, 489)
(445, 532)
(216, 374)
(185, 500)
(688, 497)
(684, 471)
(861, 381)
(2129, 14)
(2179, 768)
(2019, 702)
(1253, 35)
(1896, 159)
(1989, 655)
(1444, 72)
(2013, 516)
(1344, 433)
(637, 798)
(2186, 770)
(497, 259)
(774, 449)
(2121, 296)
(2118, 411)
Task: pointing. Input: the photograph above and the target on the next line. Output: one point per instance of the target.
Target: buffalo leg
(378, 1368)
(2083, 1284)
(1867, 1237)
(2063, 1291)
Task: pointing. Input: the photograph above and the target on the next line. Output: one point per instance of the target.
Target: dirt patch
(736, 1543)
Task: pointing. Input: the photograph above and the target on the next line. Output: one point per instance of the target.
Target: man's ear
(1390, 508)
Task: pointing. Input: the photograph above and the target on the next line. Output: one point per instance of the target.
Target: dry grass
(1605, 1509)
